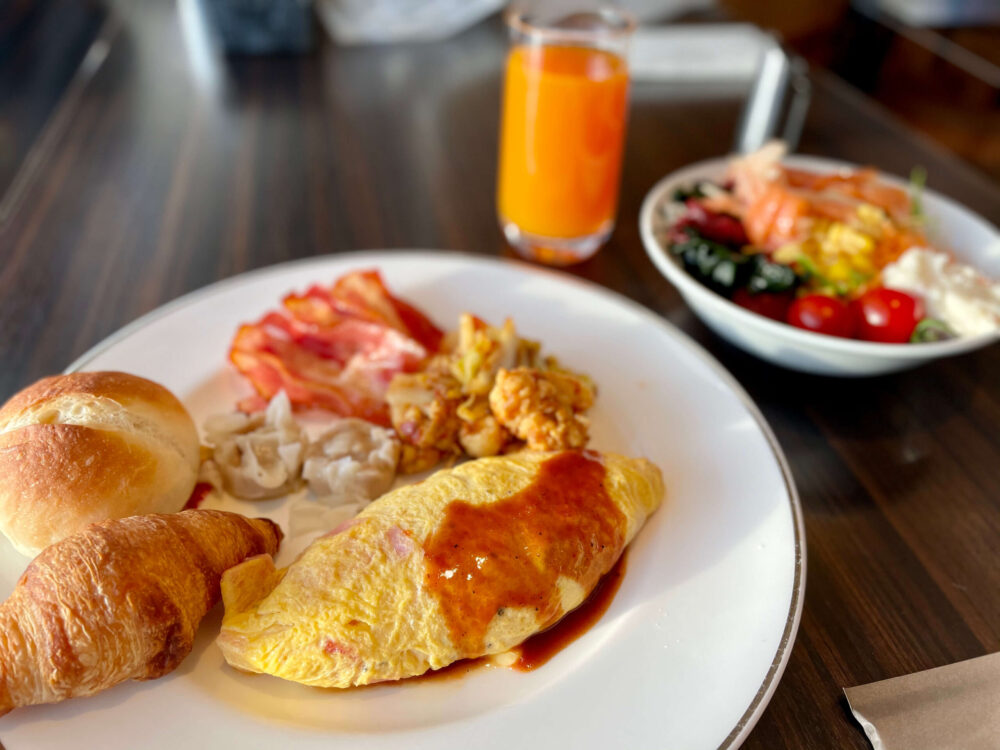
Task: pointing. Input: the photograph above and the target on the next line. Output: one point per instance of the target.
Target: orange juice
(561, 137)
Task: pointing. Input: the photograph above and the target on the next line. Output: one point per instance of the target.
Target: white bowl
(970, 237)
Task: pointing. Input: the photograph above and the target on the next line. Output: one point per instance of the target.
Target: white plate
(972, 239)
(693, 644)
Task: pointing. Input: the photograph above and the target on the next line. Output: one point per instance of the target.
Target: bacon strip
(334, 348)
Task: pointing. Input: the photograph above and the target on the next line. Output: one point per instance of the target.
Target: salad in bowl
(825, 267)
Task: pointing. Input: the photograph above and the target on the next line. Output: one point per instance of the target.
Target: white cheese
(953, 292)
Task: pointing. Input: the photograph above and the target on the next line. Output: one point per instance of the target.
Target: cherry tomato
(822, 314)
(887, 315)
(768, 304)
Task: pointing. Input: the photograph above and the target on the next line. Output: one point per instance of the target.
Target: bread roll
(82, 448)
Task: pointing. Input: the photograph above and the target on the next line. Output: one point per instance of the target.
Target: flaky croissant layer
(120, 600)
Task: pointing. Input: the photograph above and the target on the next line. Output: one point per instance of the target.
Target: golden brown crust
(81, 448)
(119, 386)
(58, 478)
(121, 600)
(71, 467)
(545, 408)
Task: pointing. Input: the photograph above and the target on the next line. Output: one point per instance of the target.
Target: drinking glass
(562, 131)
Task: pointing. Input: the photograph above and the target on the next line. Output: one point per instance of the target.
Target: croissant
(120, 600)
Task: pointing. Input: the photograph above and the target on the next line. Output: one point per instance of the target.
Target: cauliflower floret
(484, 437)
(423, 408)
(543, 408)
(480, 434)
(485, 385)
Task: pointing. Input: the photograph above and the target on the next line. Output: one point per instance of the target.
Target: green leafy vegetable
(918, 180)
(931, 329)
(682, 194)
(768, 276)
(857, 279)
(817, 280)
(713, 264)
(814, 277)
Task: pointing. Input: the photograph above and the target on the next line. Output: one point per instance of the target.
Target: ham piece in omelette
(334, 348)
(470, 562)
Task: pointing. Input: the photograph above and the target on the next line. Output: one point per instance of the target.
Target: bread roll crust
(120, 386)
(80, 448)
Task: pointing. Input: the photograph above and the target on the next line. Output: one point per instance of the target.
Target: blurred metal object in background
(781, 92)
(259, 27)
(386, 21)
(706, 53)
(730, 57)
(936, 13)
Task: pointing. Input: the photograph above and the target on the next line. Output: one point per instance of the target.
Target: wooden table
(164, 168)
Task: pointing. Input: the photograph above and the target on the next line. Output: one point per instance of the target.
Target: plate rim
(772, 677)
(686, 284)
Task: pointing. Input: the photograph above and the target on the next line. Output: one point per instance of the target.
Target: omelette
(470, 562)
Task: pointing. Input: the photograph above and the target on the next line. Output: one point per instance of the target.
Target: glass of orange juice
(562, 131)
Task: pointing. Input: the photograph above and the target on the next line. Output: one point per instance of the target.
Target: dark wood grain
(169, 175)
(42, 43)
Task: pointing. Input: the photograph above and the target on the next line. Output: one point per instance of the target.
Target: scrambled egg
(490, 393)
(357, 608)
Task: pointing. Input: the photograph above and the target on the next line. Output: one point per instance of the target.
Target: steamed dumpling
(259, 456)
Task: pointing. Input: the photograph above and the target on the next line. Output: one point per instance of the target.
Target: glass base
(555, 251)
